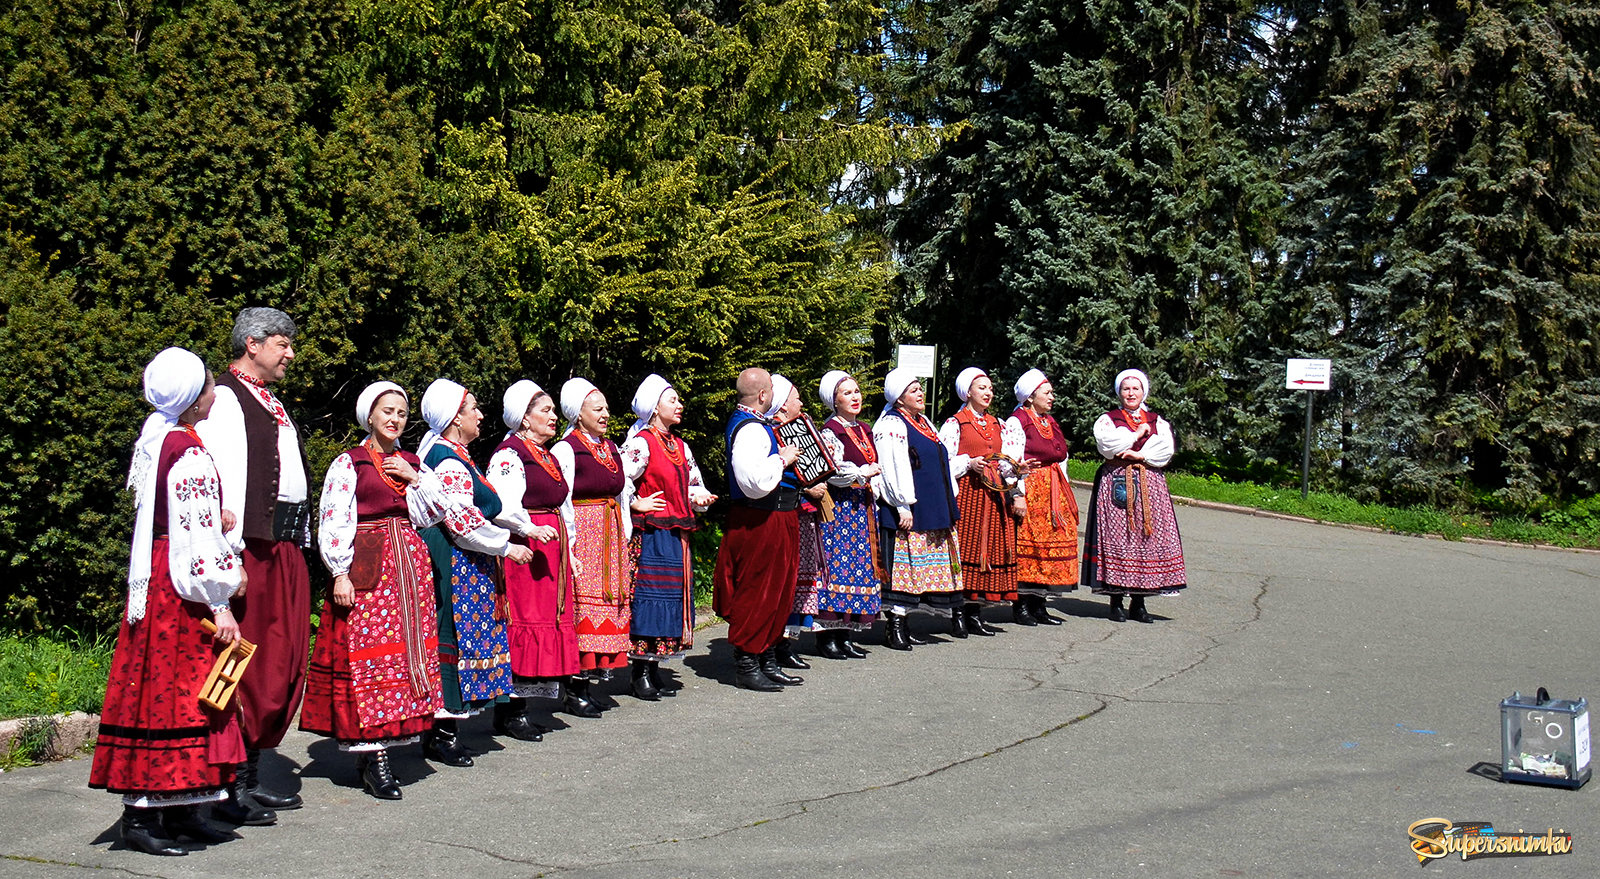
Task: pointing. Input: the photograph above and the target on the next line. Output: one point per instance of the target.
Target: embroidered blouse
(510, 481)
(203, 563)
(341, 510)
(894, 453)
(1113, 437)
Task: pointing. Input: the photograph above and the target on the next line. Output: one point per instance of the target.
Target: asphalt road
(1314, 692)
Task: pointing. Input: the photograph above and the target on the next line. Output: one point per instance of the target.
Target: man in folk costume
(758, 562)
(261, 462)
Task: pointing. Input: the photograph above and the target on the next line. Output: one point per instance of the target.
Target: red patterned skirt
(605, 599)
(1134, 547)
(155, 738)
(987, 535)
(1047, 539)
(374, 673)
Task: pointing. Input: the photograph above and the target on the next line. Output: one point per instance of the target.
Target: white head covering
(514, 404)
(440, 405)
(1025, 386)
(172, 382)
(369, 398)
(573, 393)
(965, 379)
(1116, 387)
(781, 388)
(895, 384)
(645, 401)
(830, 386)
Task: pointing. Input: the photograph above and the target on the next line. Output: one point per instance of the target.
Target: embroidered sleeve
(699, 495)
(425, 500)
(204, 566)
(562, 452)
(624, 498)
(894, 453)
(848, 473)
(635, 457)
(223, 433)
(509, 480)
(336, 519)
(465, 522)
(950, 436)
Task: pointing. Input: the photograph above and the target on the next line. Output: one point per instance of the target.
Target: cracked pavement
(1314, 692)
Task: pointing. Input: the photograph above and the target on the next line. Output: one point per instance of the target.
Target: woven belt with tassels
(1134, 474)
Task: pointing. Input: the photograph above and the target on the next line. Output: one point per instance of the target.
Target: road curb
(68, 733)
(1290, 517)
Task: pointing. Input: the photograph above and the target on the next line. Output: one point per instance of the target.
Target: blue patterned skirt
(850, 596)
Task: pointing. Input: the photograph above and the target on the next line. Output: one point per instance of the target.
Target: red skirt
(542, 607)
(987, 535)
(155, 738)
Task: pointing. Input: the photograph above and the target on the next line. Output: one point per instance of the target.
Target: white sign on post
(1309, 375)
(917, 358)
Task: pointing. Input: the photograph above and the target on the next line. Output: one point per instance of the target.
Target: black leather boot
(643, 687)
(1136, 611)
(186, 821)
(912, 637)
(747, 674)
(265, 797)
(958, 623)
(511, 719)
(894, 631)
(376, 777)
(575, 698)
(1115, 614)
(787, 658)
(442, 745)
(828, 645)
(774, 672)
(667, 688)
(849, 646)
(142, 830)
(975, 623)
(240, 808)
(1041, 611)
(1021, 613)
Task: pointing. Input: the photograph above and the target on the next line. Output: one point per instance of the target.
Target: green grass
(1570, 526)
(40, 674)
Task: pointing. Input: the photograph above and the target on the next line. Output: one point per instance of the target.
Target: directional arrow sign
(1309, 375)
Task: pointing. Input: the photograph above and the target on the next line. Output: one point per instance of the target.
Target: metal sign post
(1308, 375)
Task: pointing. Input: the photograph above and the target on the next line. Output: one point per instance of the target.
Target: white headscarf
(440, 405)
(781, 388)
(645, 401)
(369, 398)
(514, 404)
(830, 386)
(965, 379)
(1025, 386)
(173, 380)
(1144, 380)
(895, 384)
(573, 393)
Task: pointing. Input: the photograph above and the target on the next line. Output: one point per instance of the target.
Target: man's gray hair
(259, 324)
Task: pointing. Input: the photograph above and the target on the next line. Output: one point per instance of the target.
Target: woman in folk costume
(917, 512)
(374, 677)
(599, 493)
(1047, 538)
(158, 746)
(1132, 545)
(668, 492)
(540, 592)
(465, 548)
(813, 566)
(849, 598)
(989, 493)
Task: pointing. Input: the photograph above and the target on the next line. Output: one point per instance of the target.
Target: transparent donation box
(1544, 740)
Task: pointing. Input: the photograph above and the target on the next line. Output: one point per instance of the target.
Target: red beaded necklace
(461, 452)
(671, 446)
(921, 423)
(980, 423)
(601, 452)
(376, 455)
(544, 458)
(1040, 423)
(862, 443)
